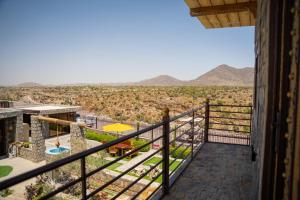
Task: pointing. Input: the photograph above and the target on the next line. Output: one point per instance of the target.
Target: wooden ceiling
(223, 13)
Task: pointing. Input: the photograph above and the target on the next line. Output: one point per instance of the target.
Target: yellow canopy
(117, 127)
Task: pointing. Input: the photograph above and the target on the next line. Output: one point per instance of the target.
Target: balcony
(218, 170)
(200, 154)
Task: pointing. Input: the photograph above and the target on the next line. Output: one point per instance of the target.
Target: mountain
(162, 80)
(29, 84)
(226, 75)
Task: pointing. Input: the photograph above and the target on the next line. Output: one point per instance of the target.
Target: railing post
(250, 134)
(83, 176)
(96, 122)
(193, 133)
(166, 143)
(206, 127)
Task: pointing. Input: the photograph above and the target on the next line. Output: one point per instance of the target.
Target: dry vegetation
(131, 103)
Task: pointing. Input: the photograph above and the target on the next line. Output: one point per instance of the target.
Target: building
(10, 129)
(275, 139)
(53, 111)
(276, 111)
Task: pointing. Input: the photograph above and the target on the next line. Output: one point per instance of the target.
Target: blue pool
(55, 150)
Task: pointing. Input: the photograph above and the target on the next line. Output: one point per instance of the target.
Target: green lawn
(5, 170)
(154, 160)
(114, 166)
(97, 162)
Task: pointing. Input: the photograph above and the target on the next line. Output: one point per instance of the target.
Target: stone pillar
(37, 139)
(77, 139)
(20, 136)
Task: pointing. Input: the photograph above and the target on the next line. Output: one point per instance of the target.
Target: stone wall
(77, 138)
(20, 137)
(261, 90)
(26, 153)
(37, 139)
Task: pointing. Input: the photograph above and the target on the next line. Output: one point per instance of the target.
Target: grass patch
(114, 166)
(104, 138)
(5, 170)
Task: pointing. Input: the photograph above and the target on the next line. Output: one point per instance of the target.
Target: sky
(105, 41)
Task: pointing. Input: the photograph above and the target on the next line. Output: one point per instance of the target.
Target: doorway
(3, 152)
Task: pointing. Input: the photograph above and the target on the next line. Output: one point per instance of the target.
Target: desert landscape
(130, 103)
(144, 100)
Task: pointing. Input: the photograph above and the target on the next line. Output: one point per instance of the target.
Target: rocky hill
(226, 75)
(162, 80)
(223, 75)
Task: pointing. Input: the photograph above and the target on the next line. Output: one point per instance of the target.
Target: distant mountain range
(222, 75)
(29, 84)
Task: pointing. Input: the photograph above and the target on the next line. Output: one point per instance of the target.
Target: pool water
(55, 150)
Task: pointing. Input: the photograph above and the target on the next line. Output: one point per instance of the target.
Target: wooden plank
(205, 22)
(221, 9)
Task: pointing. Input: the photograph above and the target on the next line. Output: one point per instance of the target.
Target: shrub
(100, 137)
(26, 144)
(6, 192)
(140, 142)
(180, 153)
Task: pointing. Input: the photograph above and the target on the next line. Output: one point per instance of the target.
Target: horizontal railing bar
(121, 157)
(176, 148)
(180, 116)
(227, 105)
(60, 189)
(233, 112)
(225, 124)
(186, 113)
(180, 163)
(216, 117)
(56, 164)
(136, 180)
(199, 129)
(181, 125)
(181, 153)
(154, 179)
(228, 136)
(122, 174)
(219, 129)
(154, 191)
(185, 132)
(199, 116)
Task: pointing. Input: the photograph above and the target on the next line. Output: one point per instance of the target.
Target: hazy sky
(72, 41)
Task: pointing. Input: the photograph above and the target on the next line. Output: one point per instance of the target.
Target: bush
(6, 192)
(140, 142)
(179, 152)
(100, 137)
(26, 144)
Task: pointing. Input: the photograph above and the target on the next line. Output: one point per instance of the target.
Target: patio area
(218, 170)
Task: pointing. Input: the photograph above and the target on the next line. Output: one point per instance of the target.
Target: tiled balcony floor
(219, 171)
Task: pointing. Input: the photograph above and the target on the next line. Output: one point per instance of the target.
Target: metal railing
(229, 123)
(182, 137)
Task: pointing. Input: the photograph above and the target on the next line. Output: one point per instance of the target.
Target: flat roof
(221, 14)
(9, 112)
(49, 109)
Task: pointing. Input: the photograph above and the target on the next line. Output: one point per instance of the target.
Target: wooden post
(96, 122)
(137, 128)
(206, 126)
(193, 132)
(174, 136)
(166, 132)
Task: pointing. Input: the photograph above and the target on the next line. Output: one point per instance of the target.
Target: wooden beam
(58, 121)
(223, 9)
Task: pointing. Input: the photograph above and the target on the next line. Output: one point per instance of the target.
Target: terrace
(192, 149)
